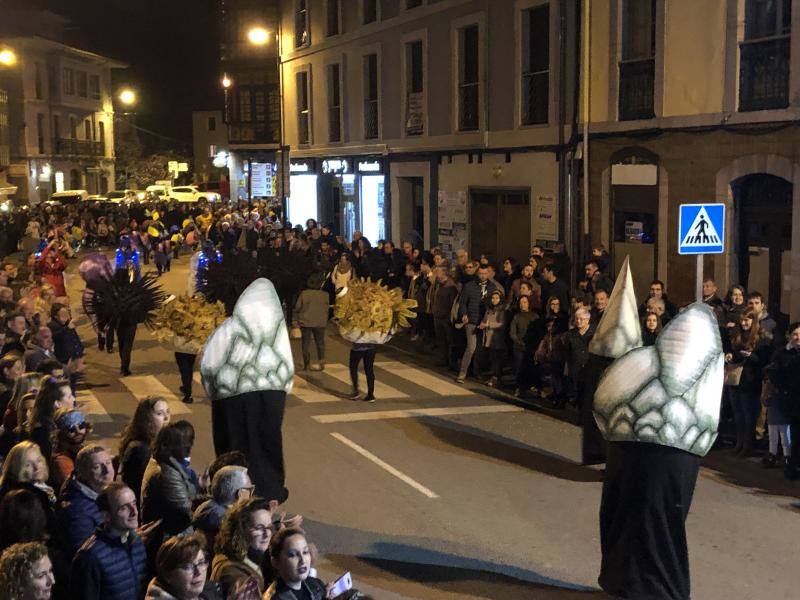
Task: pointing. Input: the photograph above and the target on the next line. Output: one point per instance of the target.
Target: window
(37, 68)
(637, 68)
(370, 96)
(212, 150)
(301, 37)
(415, 109)
(535, 65)
(56, 127)
(334, 103)
(333, 18)
(69, 82)
(469, 79)
(94, 86)
(5, 154)
(370, 8)
(101, 133)
(83, 85)
(413, 3)
(87, 129)
(73, 128)
(245, 106)
(40, 132)
(764, 55)
(303, 110)
(52, 80)
(212, 123)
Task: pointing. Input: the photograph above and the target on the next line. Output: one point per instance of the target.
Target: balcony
(764, 74)
(71, 147)
(636, 89)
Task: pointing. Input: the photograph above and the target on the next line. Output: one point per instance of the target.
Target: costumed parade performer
(183, 325)
(94, 268)
(658, 408)
(159, 242)
(122, 303)
(369, 314)
(247, 370)
(127, 258)
(198, 267)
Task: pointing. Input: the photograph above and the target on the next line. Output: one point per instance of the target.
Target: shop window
(469, 79)
(535, 65)
(371, 116)
(765, 55)
(83, 84)
(638, 64)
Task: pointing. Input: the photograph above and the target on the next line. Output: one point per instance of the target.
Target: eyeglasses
(195, 566)
(250, 489)
(262, 529)
(76, 428)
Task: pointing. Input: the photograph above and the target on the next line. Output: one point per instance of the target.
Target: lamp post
(8, 58)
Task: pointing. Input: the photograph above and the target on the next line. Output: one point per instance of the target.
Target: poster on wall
(261, 180)
(546, 221)
(452, 223)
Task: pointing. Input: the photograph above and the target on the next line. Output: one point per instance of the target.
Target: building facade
(60, 115)
(697, 102)
(405, 120)
(210, 146)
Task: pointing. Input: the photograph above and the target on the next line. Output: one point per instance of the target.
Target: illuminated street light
(226, 82)
(127, 97)
(258, 36)
(8, 58)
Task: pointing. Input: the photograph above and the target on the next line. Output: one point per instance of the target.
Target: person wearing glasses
(181, 566)
(229, 485)
(71, 432)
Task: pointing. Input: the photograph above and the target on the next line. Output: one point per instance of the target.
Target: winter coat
(132, 465)
(494, 334)
(576, 351)
(68, 344)
(167, 493)
(557, 289)
(207, 518)
(157, 591)
(229, 572)
(752, 376)
(78, 514)
(473, 302)
(35, 355)
(784, 372)
(443, 297)
(53, 272)
(341, 279)
(520, 325)
(280, 591)
(106, 568)
(311, 308)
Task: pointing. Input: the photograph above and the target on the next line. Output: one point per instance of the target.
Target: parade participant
(198, 266)
(658, 408)
(93, 269)
(52, 265)
(248, 389)
(127, 258)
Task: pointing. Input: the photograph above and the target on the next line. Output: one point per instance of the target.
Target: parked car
(157, 192)
(117, 197)
(191, 193)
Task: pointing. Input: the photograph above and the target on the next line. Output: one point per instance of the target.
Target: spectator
(53, 395)
(167, 487)
(471, 309)
(16, 333)
(241, 544)
(511, 272)
(536, 290)
(290, 555)
(27, 308)
(151, 414)
(26, 572)
(444, 296)
(651, 327)
(521, 324)
(311, 315)
(733, 306)
(79, 514)
(595, 279)
(22, 519)
(68, 346)
(600, 304)
(111, 564)
(755, 302)
(26, 469)
(553, 286)
(40, 347)
(52, 265)
(234, 458)
(71, 432)
(657, 307)
(494, 327)
(11, 367)
(229, 485)
(343, 272)
(576, 350)
(182, 565)
(710, 296)
(657, 290)
(784, 373)
(549, 360)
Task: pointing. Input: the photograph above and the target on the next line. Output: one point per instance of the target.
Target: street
(441, 491)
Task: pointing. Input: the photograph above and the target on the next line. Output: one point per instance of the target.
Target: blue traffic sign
(701, 229)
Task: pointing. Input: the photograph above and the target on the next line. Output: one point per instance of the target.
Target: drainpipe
(587, 18)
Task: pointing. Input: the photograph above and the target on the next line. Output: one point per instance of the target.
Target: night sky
(172, 47)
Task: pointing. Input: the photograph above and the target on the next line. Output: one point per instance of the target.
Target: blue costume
(207, 255)
(128, 257)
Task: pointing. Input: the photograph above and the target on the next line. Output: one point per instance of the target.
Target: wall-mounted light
(258, 36)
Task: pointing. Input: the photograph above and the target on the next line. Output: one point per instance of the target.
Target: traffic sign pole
(701, 230)
(699, 283)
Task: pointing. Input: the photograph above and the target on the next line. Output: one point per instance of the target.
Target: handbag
(733, 374)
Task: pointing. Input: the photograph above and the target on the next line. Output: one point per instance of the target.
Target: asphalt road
(443, 491)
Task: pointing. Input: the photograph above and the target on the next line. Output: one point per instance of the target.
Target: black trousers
(369, 368)
(593, 446)
(252, 423)
(126, 332)
(186, 367)
(647, 493)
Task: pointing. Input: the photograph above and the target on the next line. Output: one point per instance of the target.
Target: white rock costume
(247, 371)
(658, 408)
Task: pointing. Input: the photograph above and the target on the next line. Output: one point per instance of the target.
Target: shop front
(303, 201)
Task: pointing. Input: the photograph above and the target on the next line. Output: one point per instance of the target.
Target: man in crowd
(658, 308)
(79, 514)
(16, 333)
(527, 277)
(40, 348)
(444, 295)
(230, 484)
(471, 308)
(658, 291)
(600, 304)
(755, 302)
(595, 279)
(553, 287)
(576, 351)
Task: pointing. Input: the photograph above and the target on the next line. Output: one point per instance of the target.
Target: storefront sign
(546, 219)
(301, 166)
(336, 166)
(261, 180)
(370, 166)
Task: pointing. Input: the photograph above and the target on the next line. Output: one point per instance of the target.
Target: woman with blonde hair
(26, 469)
(26, 572)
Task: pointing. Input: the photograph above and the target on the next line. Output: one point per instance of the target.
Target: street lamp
(258, 36)
(8, 58)
(226, 82)
(127, 96)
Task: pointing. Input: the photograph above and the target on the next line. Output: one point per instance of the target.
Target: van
(69, 197)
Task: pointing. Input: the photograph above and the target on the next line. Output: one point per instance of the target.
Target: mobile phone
(344, 583)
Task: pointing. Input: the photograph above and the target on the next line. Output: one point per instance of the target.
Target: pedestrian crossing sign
(701, 229)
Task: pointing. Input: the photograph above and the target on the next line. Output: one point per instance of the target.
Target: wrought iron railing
(636, 89)
(764, 74)
(80, 147)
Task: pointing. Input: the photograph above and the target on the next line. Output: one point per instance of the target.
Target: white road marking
(382, 391)
(427, 380)
(145, 385)
(411, 413)
(385, 466)
(89, 404)
(305, 392)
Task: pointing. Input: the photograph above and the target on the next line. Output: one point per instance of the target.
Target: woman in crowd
(749, 352)
(168, 489)
(26, 572)
(26, 469)
(651, 327)
(558, 313)
(181, 568)
(11, 367)
(290, 555)
(69, 438)
(24, 385)
(494, 335)
(784, 373)
(152, 413)
(53, 395)
(242, 543)
(52, 265)
(343, 272)
(511, 272)
(734, 305)
(521, 324)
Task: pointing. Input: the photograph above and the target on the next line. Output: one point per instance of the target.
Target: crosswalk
(141, 386)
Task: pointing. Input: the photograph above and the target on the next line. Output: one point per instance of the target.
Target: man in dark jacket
(67, 343)
(553, 287)
(111, 564)
(657, 291)
(471, 308)
(443, 296)
(40, 348)
(230, 484)
(576, 350)
(595, 279)
(78, 513)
